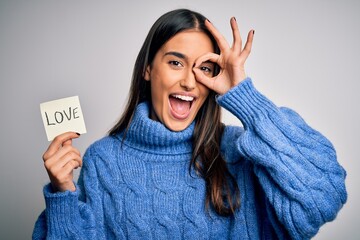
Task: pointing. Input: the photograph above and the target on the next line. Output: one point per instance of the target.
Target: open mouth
(180, 105)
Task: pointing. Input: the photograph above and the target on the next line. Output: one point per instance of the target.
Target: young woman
(169, 168)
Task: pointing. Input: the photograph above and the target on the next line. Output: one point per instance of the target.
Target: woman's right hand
(60, 159)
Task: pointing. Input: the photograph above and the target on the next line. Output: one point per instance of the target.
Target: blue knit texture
(289, 179)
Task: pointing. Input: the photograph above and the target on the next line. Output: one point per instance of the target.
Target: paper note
(62, 115)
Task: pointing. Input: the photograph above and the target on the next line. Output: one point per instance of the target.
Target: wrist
(238, 79)
(63, 187)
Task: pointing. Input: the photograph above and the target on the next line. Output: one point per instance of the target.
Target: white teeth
(184, 98)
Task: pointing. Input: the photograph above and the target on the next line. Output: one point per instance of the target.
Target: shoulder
(229, 141)
(230, 135)
(104, 147)
(232, 132)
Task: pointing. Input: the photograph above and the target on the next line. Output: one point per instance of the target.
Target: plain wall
(305, 56)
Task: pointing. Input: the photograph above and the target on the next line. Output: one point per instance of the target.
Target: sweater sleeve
(69, 215)
(295, 165)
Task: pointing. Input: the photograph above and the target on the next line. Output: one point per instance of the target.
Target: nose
(189, 81)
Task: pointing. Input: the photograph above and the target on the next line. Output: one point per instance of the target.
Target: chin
(177, 126)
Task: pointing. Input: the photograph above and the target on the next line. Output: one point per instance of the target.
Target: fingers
(59, 141)
(60, 159)
(200, 76)
(237, 41)
(208, 57)
(60, 171)
(219, 38)
(231, 60)
(248, 45)
(67, 142)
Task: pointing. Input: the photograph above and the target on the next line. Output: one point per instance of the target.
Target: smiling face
(175, 94)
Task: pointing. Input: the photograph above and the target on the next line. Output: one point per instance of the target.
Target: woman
(169, 168)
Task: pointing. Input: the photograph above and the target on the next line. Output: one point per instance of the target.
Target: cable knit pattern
(290, 181)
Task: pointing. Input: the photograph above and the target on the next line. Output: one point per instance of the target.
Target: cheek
(159, 88)
(159, 80)
(159, 93)
(204, 92)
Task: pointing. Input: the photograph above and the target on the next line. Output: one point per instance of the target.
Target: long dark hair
(222, 192)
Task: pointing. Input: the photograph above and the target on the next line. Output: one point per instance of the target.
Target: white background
(305, 56)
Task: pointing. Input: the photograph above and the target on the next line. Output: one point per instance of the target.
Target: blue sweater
(288, 176)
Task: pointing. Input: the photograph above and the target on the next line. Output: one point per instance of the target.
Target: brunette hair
(222, 191)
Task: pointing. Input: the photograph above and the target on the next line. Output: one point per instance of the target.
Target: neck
(149, 135)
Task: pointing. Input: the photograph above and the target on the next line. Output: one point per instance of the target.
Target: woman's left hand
(231, 60)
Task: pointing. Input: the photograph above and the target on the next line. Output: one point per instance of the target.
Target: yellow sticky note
(62, 115)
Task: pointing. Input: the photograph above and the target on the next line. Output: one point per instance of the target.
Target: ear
(147, 73)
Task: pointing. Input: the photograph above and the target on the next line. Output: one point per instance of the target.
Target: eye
(175, 63)
(206, 69)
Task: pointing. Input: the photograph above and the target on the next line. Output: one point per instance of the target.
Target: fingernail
(208, 20)
(234, 19)
(78, 134)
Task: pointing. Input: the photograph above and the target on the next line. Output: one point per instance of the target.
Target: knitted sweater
(289, 179)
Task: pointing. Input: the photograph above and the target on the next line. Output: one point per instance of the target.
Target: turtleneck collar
(151, 136)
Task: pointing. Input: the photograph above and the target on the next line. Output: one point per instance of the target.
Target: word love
(59, 117)
(62, 115)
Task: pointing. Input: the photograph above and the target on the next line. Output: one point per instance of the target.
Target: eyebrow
(182, 56)
(176, 54)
